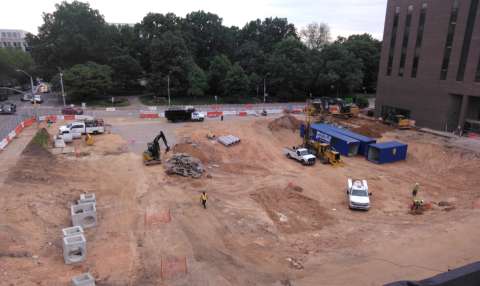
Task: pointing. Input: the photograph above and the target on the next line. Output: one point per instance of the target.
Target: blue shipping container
(387, 152)
(343, 144)
(364, 140)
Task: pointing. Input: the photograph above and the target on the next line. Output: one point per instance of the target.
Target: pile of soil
(39, 144)
(193, 150)
(285, 122)
(36, 164)
(292, 212)
(367, 131)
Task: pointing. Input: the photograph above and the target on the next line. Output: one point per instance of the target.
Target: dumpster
(343, 144)
(387, 152)
(364, 140)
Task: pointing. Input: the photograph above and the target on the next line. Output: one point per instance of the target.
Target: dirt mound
(292, 212)
(285, 122)
(192, 149)
(373, 131)
(39, 144)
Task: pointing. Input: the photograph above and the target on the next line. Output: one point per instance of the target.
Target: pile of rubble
(184, 165)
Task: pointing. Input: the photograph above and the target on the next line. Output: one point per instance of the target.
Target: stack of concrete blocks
(85, 279)
(74, 245)
(84, 213)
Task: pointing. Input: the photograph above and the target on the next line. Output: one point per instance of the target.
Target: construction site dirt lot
(269, 220)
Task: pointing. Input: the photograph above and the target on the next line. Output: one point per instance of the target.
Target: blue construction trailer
(387, 152)
(345, 145)
(364, 140)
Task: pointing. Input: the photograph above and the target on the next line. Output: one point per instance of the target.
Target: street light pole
(168, 88)
(63, 90)
(31, 78)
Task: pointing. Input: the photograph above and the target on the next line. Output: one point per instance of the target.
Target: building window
(393, 40)
(448, 45)
(472, 13)
(418, 45)
(4, 35)
(406, 36)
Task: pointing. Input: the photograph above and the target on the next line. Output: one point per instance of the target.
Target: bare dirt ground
(269, 221)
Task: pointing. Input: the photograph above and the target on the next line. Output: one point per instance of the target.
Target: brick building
(430, 63)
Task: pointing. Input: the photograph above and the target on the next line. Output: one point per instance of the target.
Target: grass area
(150, 100)
(41, 138)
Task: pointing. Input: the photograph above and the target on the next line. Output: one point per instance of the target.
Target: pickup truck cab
(78, 128)
(301, 155)
(37, 98)
(358, 195)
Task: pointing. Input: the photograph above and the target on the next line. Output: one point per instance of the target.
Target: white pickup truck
(78, 128)
(301, 155)
(358, 195)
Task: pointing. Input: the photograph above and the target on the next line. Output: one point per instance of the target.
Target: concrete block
(87, 198)
(74, 249)
(71, 231)
(85, 279)
(84, 215)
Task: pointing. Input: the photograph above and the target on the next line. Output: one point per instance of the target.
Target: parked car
(72, 111)
(37, 98)
(8, 108)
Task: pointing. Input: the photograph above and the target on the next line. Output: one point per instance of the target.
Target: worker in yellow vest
(203, 199)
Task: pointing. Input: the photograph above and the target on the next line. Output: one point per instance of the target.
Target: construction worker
(203, 199)
(415, 190)
(417, 203)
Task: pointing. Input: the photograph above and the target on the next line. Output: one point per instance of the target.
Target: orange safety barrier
(242, 113)
(69, 117)
(214, 113)
(18, 129)
(28, 122)
(149, 115)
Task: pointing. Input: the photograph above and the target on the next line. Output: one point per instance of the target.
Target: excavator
(151, 156)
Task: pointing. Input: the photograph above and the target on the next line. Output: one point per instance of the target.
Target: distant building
(430, 63)
(13, 39)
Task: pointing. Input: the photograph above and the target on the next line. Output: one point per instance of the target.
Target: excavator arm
(161, 136)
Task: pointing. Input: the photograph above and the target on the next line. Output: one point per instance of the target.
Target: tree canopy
(199, 56)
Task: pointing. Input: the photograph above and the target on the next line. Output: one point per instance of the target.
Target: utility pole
(264, 90)
(31, 78)
(168, 88)
(63, 91)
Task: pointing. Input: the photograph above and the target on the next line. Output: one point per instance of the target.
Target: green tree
(198, 82)
(10, 61)
(368, 50)
(87, 81)
(268, 33)
(236, 82)
(219, 67)
(340, 69)
(126, 72)
(205, 35)
(289, 71)
(169, 58)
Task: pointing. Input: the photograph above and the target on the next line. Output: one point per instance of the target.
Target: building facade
(13, 39)
(430, 63)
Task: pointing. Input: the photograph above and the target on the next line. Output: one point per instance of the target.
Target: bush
(362, 101)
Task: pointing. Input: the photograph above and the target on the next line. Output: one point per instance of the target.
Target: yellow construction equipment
(325, 153)
(89, 140)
